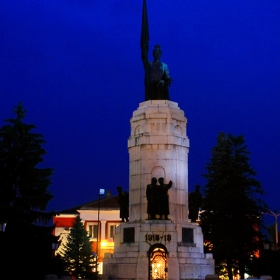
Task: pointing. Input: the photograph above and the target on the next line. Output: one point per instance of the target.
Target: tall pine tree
(77, 252)
(24, 195)
(232, 207)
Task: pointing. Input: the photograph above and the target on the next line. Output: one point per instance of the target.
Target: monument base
(158, 249)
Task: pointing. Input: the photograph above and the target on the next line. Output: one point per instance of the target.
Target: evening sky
(76, 66)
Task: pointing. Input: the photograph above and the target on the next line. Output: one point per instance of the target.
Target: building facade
(100, 218)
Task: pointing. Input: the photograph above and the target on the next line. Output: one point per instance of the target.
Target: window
(112, 230)
(92, 230)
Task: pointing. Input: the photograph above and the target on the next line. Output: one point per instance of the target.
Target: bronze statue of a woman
(157, 78)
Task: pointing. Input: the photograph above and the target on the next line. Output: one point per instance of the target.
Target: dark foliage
(231, 220)
(24, 196)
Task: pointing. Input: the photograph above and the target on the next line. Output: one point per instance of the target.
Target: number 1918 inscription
(157, 237)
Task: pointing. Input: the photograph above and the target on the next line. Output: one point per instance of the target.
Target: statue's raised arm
(144, 35)
(144, 44)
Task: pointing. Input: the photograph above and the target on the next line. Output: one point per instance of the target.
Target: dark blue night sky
(77, 68)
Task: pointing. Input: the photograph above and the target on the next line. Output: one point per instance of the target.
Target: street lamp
(101, 192)
(275, 215)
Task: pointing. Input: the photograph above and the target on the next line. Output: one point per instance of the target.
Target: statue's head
(157, 52)
(119, 188)
(154, 180)
(161, 180)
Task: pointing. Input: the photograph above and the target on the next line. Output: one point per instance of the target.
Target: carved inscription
(158, 238)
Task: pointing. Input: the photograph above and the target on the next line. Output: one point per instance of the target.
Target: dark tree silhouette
(231, 220)
(24, 196)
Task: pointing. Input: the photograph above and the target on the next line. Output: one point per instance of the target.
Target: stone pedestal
(158, 147)
(184, 260)
(158, 249)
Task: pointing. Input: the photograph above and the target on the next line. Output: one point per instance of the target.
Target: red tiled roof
(106, 203)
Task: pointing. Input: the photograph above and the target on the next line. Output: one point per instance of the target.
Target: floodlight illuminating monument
(159, 241)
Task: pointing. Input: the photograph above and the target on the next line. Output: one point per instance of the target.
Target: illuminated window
(92, 230)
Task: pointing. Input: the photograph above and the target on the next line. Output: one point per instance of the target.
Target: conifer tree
(231, 218)
(24, 186)
(77, 252)
(24, 194)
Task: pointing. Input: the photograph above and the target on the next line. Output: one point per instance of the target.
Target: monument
(158, 241)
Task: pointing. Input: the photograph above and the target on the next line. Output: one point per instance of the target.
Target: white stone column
(158, 147)
(103, 229)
